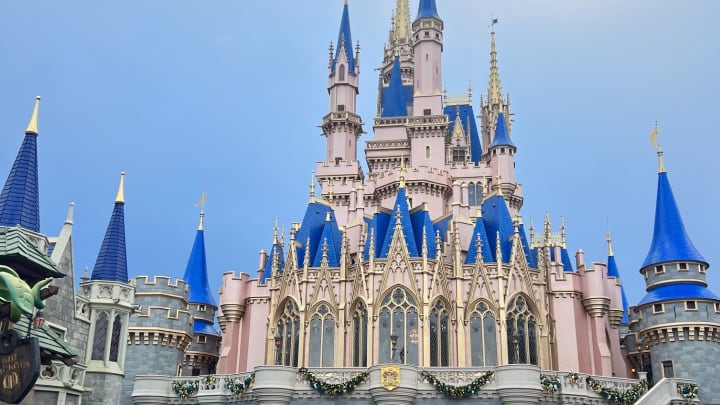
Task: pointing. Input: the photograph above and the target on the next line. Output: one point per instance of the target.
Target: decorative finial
(346, 2)
(608, 238)
(202, 219)
(32, 125)
(275, 232)
(547, 227)
(494, 86)
(85, 276)
(120, 198)
(562, 231)
(658, 148)
(327, 216)
(402, 172)
(312, 184)
(470, 90)
(69, 217)
(201, 204)
(532, 232)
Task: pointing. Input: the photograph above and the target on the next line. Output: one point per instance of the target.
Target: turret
(20, 197)
(502, 159)
(494, 102)
(202, 355)
(427, 49)
(678, 318)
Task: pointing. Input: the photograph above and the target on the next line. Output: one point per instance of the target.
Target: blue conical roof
(401, 212)
(196, 273)
(670, 241)
(614, 272)
(496, 217)
(427, 9)
(345, 42)
(480, 233)
(111, 263)
(311, 229)
(393, 100)
(501, 136)
(328, 237)
(421, 222)
(20, 198)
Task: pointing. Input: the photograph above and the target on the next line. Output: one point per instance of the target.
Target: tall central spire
(344, 43)
(401, 20)
(494, 86)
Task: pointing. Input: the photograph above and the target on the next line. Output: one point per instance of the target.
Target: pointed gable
(670, 241)
(111, 263)
(311, 229)
(402, 214)
(393, 97)
(196, 273)
(328, 240)
(469, 126)
(377, 228)
(497, 219)
(20, 197)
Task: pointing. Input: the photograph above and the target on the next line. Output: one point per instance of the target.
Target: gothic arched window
(360, 327)
(522, 332)
(115, 340)
(439, 335)
(322, 338)
(471, 194)
(101, 330)
(341, 75)
(427, 152)
(288, 332)
(398, 322)
(483, 338)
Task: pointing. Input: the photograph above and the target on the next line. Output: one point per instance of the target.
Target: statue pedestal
(274, 385)
(518, 384)
(393, 384)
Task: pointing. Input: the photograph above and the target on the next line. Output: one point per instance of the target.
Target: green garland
(613, 395)
(332, 389)
(573, 378)
(550, 384)
(458, 391)
(209, 382)
(237, 386)
(185, 388)
(687, 390)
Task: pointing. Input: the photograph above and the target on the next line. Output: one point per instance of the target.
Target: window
(427, 35)
(658, 308)
(101, 330)
(471, 194)
(458, 155)
(115, 342)
(202, 308)
(522, 333)
(690, 306)
(202, 339)
(341, 107)
(483, 347)
(682, 266)
(288, 333)
(341, 75)
(702, 269)
(322, 338)
(439, 335)
(659, 269)
(360, 327)
(427, 152)
(667, 369)
(59, 331)
(398, 320)
(427, 111)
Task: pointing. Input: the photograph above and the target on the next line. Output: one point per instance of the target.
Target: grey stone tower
(675, 329)
(108, 300)
(159, 333)
(202, 355)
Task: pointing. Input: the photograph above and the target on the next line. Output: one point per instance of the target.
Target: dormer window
(659, 269)
(658, 309)
(682, 266)
(690, 306)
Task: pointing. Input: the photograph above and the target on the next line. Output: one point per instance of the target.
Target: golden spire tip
(32, 125)
(120, 198)
(201, 225)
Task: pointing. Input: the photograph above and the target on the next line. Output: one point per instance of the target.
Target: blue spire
(328, 241)
(501, 136)
(614, 272)
(344, 42)
(196, 271)
(670, 241)
(20, 198)
(467, 118)
(427, 9)
(479, 233)
(393, 100)
(111, 263)
(401, 213)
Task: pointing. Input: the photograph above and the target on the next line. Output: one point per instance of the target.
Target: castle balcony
(510, 384)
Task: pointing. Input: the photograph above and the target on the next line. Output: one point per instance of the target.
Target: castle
(423, 261)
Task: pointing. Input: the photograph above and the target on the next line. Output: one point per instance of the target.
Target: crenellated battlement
(158, 283)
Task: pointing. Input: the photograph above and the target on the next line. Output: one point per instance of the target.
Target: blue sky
(225, 97)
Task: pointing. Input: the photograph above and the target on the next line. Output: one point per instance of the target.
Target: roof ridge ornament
(658, 148)
(32, 128)
(120, 198)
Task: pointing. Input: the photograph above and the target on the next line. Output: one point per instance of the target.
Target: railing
(665, 392)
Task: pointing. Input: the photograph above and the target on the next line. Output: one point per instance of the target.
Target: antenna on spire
(658, 148)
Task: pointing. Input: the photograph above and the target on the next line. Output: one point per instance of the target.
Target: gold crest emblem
(390, 377)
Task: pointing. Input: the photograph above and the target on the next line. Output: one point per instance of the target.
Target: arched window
(115, 342)
(471, 194)
(427, 152)
(483, 338)
(439, 335)
(322, 338)
(360, 327)
(522, 332)
(398, 323)
(101, 330)
(288, 332)
(341, 75)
